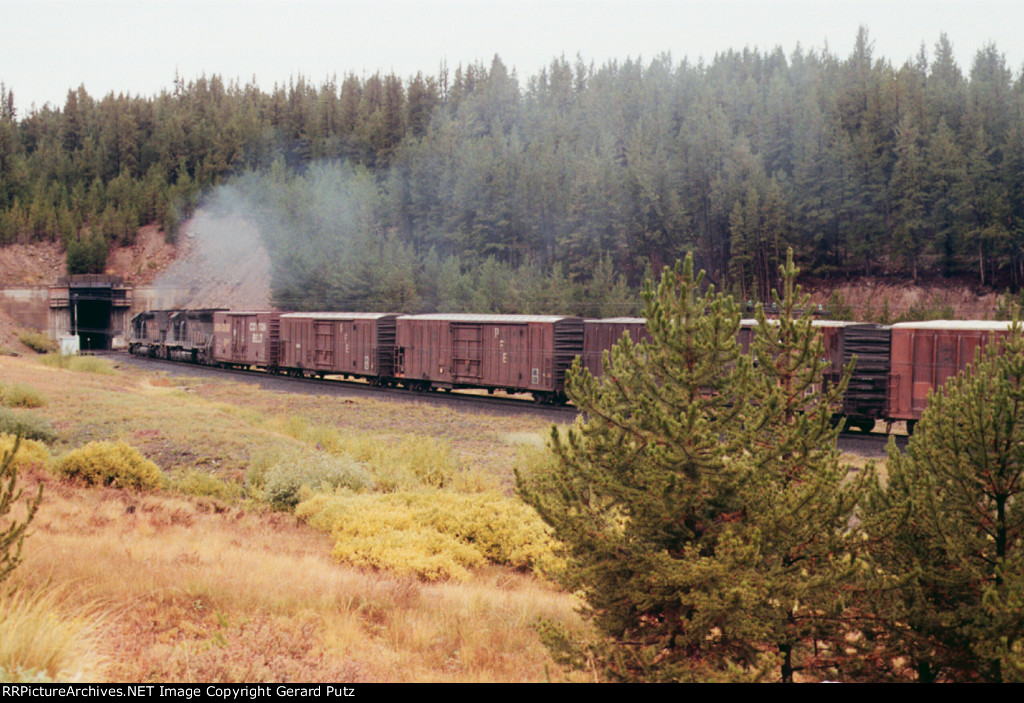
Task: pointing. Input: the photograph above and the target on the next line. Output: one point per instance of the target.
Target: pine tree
(798, 499)
(12, 536)
(948, 530)
(700, 502)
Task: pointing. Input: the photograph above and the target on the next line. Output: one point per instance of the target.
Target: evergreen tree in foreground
(700, 502)
(949, 529)
(798, 499)
(12, 534)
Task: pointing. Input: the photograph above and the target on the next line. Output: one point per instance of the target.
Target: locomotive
(896, 365)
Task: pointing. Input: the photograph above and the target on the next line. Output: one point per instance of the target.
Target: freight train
(896, 365)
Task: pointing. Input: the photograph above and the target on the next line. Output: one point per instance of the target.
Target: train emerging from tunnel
(896, 365)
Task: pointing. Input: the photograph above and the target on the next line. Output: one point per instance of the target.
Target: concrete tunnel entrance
(93, 307)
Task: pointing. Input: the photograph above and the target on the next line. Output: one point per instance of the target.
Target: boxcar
(352, 344)
(246, 339)
(514, 353)
(601, 335)
(925, 354)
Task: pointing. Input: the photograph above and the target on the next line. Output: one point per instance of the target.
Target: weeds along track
(458, 400)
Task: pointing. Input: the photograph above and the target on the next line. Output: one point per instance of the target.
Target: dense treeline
(862, 167)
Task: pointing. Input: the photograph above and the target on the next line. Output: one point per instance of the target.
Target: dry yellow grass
(195, 589)
(192, 590)
(44, 638)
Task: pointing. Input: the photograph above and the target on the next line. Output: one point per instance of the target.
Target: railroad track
(869, 444)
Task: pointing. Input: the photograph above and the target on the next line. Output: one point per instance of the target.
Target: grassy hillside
(202, 580)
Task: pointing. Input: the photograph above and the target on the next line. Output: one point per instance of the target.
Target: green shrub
(27, 424)
(417, 551)
(19, 395)
(838, 308)
(403, 463)
(505, 530)
(37, 341)
(111, 464)
(81, 364)
(936, 309)
(202, 484)
(321, 472)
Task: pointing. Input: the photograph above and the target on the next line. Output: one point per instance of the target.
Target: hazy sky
(136, 47)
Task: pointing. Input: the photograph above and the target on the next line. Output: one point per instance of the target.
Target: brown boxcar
(925, 354)
(510, 352)
(246, 338)
(601, 335)
(353, 344)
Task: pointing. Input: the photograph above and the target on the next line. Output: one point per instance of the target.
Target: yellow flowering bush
(110, 463)
(434, 535)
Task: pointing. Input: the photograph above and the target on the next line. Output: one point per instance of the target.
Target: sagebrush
(110, 464)
(20, 395)
(27, 424)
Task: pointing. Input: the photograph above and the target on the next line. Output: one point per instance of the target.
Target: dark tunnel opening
(90, 317)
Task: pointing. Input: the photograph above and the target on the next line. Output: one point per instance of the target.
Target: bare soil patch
(31, 264)
(9, 331)
(141, 263)
(871, 298)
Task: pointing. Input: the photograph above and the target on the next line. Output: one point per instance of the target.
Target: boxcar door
(517, 362)
(323, 344)
(239, 337)
(467, 346)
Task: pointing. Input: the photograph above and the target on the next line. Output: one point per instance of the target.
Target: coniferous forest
(477, 188)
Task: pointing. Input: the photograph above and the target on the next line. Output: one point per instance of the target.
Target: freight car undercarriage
(187, 356)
